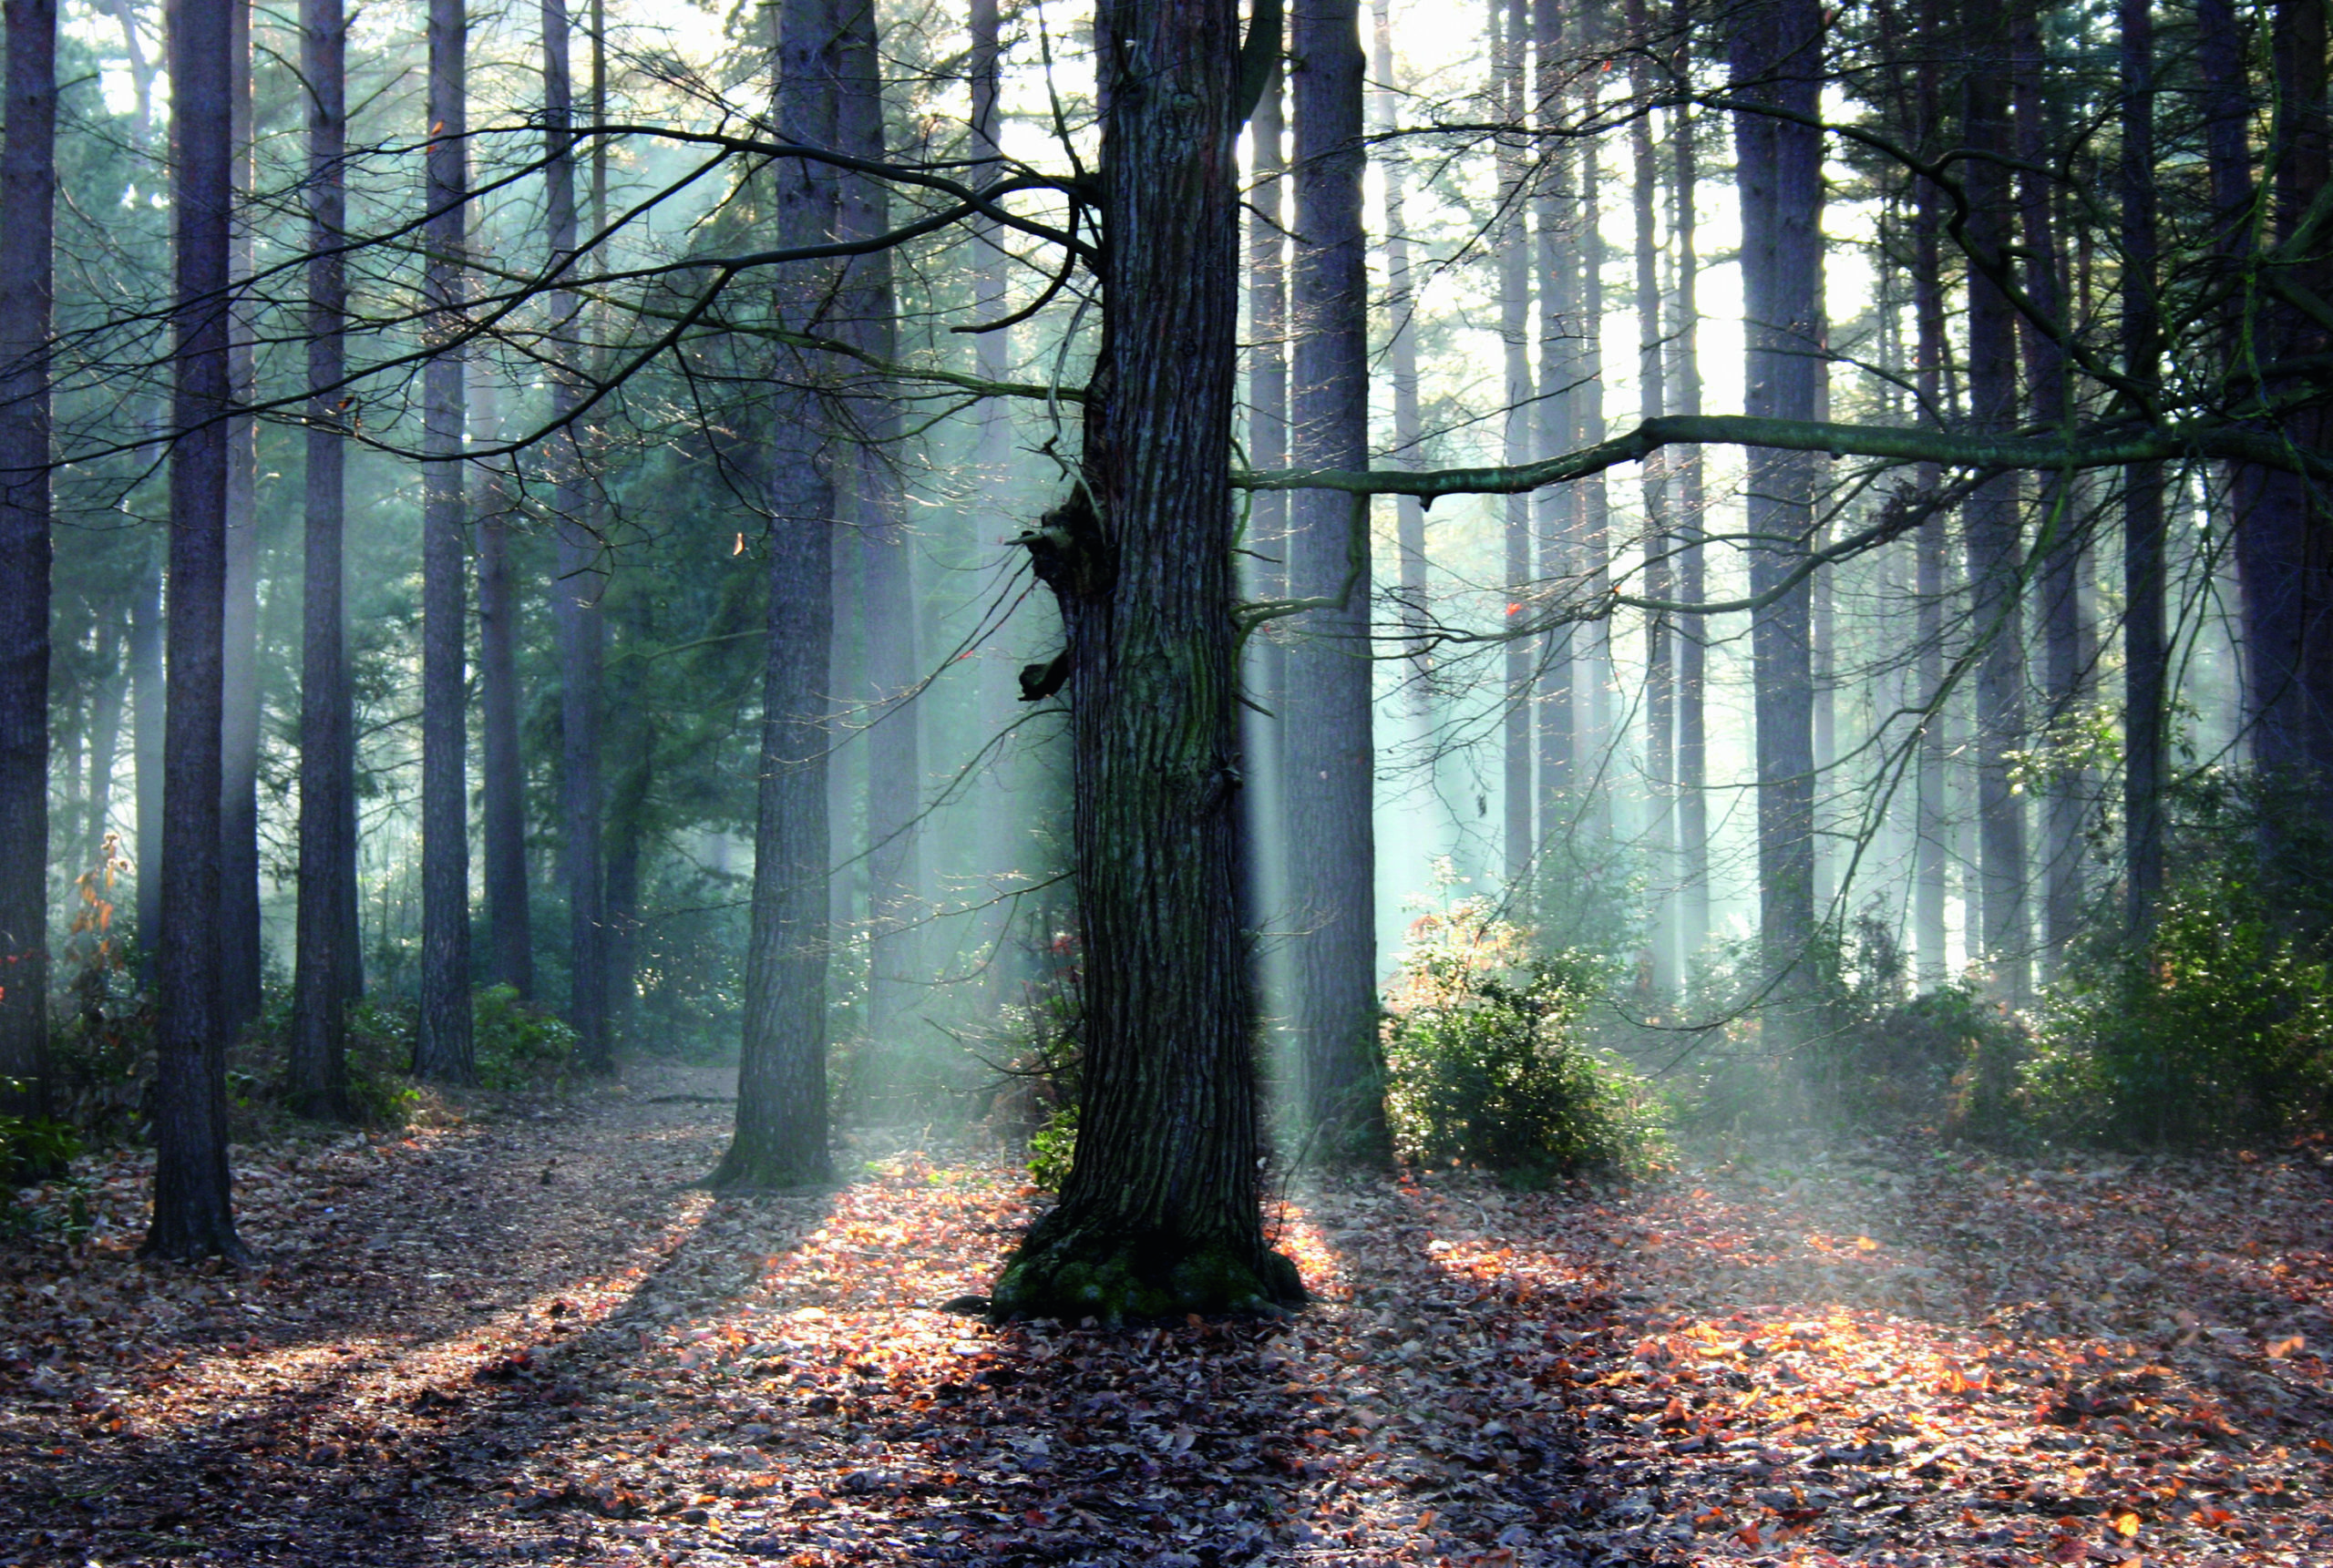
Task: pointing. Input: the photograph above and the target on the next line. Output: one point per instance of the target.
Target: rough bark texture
(1995, 544)
(1776, 60)
(1160, 1212)
(582, 578)
(442, 1049)
(240, 951)
(322, 984)
(28, 209)
(1328, 707)
(781, 1135)
(193, 1214)
(2145, 655)
(1692, 636)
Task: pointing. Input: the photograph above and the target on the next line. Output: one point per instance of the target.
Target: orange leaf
(2126, 1524)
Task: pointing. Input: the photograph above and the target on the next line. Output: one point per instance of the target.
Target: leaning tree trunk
(240, 955)
(582, 578)
(1692, 640)
(1328, 704)
(442, 1050)
(28, 224)
(2145, 652)
(320, 984)
(1160, 1213)
(1776, 61)
(781, 1135)
(193, 1213)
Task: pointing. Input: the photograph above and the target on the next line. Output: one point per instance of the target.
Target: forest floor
(521, 1336)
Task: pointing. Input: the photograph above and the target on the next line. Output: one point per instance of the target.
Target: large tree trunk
(322, 981)
(1330, 704)
(1160, 1213)
(895, 896)
(2145, 652)
(1989, 522)
(1776, 58)
(502, 778)
(442, 1050)
(781, 1136)
(1510, 243)
(193, 1213)
(1692, 576)
(1660, 541)
(582, 579)
(239, 953)
(28, 223)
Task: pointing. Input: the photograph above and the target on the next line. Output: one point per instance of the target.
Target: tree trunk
(27, 227)
(240, 952)
(1989, 522)
(321, 984)
(582, 581)
(1510, 242)
(149, 706)
(1592, 665)
(502, 783)
(1659, 540)
(442, 1050)
(2146, 654)
(895, 896)
(1160, 1212)
(1264, 573)
(1401, 361)
(1776, 58)
(781, 1132)
(1932, 828)
(1329, 702)
(105, 744)
(1557, 508)
(1692, 640)
(193, 1213)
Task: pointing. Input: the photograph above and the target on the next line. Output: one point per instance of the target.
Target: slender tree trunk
(781, 1136)
(502, 783)
(105, 741)
(582, 579)
(442, 1051)
(1263, 729)
(1989, 521)
(1511, 243)
(1556, 509)
(1160, 1212)
(1693, 577)
(240, 954)
(1402, 360)
(1932, 827)
(148, 713)
(193, 1213)
(1592, 665)
(321, 984)
(1776, 57)
(1660, 539)
(2146, 650)
(1330, 704)
(27, 227)
(887, 597)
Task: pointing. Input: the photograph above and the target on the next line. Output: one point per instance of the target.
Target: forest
(1461, 782)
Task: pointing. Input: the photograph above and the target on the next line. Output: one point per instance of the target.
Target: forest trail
(526, 1337)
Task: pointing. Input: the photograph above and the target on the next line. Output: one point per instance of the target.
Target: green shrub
(1486, 1063)
(2219, 1028)
(519, 1046)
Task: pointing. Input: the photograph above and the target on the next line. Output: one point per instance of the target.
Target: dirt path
(526, 1338)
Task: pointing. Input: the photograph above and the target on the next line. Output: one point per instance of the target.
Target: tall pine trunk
(322, 981)
(1776, 60)
(239, 953)
(1554, 509)
(442, 1049)
(2145, 650)
(502, 780)
(1510, 242)
(28, 226)
(1660, 539)
(1160, 1213)
(1931, 823)
(1692, 573)
(1401, 361)
(193, 1213)
(781, 1135)
(1328, 704)
(150, 705)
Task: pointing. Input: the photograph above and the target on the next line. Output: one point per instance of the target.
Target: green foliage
(33, 1146)
(1039, 1069)
(2220, 1028)
(380, 1051)
(1053, 1146)
(519, 1046)
(1487, 1063)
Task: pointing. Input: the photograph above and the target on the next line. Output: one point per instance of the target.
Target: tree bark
(1330, 704)
(1776, 58)
(781, 1135)
(321, 984)
(502, 783)
(442, 1049)
(1556, 517)
(27, 228)
(193, 1213)
(1160, 1212)
(2146, 655)
(240, 951)
(1265, 574)
(1510, 243)
(1693, 638)
(1660, 538)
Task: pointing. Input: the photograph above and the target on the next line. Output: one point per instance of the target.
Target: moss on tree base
(1114, 1279)
(746, 1173)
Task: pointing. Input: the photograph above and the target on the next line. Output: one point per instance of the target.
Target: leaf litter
(524, 1337)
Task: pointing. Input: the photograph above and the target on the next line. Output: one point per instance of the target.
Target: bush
(2219, 1028)
(519, 1046)
(1485, 1064)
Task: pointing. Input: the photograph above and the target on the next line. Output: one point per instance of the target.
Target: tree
(193, 1214)
(1159, 1213)
(2145, 655)
(323, 982)
(1330, 773)
(1692, 641)
(1510, 241)
(781, 1131)
(442, 1050)
(28, 226)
